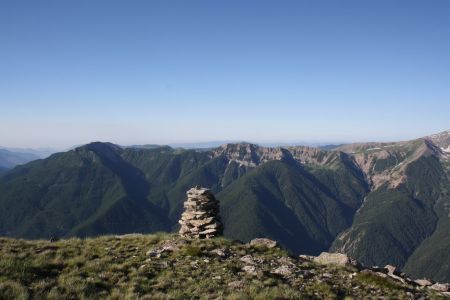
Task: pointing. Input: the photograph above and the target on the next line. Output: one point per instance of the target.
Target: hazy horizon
(165, 72)
(215, 143)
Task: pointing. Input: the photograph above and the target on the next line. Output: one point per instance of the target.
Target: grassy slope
(117, 267)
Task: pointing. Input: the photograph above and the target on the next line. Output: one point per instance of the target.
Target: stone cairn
(201, 216)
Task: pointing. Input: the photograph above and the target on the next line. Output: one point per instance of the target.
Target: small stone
(306, 257)
(283, 270)
(154, 253)
(167, 246)
(222, 252)
(236, 284)
(381, 274)
(248, 259)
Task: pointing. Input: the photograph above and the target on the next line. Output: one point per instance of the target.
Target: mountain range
(10, 159)
(381, 203)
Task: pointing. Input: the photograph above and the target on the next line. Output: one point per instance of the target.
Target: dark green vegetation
(380, 203)
(101, 189)
(118, 267)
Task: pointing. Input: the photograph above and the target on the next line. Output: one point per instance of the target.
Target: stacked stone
(201, 216)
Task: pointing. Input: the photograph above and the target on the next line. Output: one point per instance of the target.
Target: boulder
(339, 259)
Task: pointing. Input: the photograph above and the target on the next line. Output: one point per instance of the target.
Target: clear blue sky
(134, 72)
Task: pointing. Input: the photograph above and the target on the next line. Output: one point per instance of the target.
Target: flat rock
(208, 231)
(201, 222)
(250, 270)
(423, 282)
(263, 242)
(441, 287)
(284, 270)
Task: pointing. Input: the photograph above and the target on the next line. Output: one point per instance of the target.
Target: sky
(145, 72)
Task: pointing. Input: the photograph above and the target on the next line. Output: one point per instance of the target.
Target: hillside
(382, 203)
(165, 266)
(407, 209)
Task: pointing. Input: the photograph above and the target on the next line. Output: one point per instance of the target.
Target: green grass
(117, 267)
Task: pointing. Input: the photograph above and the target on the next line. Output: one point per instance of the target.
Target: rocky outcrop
(251, 155)
(201, 216)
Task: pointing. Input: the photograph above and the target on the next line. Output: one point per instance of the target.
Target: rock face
(201, 216)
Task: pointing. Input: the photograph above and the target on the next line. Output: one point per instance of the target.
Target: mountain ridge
(308, 198)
